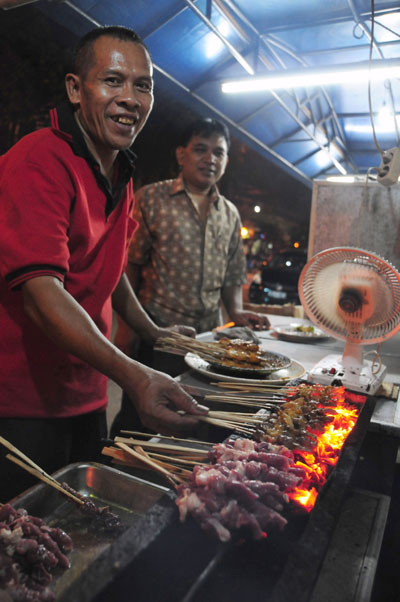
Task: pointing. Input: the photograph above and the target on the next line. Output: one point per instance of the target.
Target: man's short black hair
(205, 127)
(83, 55)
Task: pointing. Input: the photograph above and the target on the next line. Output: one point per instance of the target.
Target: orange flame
(320, 460)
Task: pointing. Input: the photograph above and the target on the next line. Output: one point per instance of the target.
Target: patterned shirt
(184, 262)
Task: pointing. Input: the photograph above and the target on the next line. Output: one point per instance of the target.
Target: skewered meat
(103, 517)
(29, 551)
(244, 489)
(297, 421)
(238, 344)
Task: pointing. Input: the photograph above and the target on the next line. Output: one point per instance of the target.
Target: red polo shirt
(58, 217)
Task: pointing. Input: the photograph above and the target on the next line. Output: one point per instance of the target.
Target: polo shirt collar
(65, 122)
(178, 186)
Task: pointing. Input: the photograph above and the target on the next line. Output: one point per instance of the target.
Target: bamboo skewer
(34, 469)
(264, 386)
(225, 424)
(144, 458)
(177, 459)
(242, 402)
(167, 465)
(43, 477)
(153, 445)
(151, 435)
(236, 417)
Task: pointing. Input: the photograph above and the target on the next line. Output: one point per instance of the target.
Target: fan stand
(349, 370)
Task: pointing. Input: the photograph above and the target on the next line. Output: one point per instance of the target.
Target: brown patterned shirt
(184, 262)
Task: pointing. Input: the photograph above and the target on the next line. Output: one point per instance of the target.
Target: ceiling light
(341, 179)
(353, 73)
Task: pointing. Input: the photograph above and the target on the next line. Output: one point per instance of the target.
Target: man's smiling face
(203, 161)
(115, 96)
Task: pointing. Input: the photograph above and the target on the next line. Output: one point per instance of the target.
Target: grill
(182, 564)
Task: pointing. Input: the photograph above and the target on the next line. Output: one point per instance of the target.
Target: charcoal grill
(183, 565)
(159, 559)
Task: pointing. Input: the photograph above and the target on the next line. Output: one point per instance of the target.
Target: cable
(364, 200)
(371, 46)
(377, 361)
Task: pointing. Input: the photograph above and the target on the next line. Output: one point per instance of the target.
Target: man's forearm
(232, 297)
(69, 326)
(127, 306)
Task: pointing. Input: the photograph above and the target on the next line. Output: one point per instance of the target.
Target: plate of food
(299, 332)
(245, 358)
(229, 356)
(293, 371)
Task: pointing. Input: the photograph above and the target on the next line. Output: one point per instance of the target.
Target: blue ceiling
(310, 132)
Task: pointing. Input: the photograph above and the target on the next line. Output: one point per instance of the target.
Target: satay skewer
(234, 386)
(176, 459)
(43, 477)
(235, 416)
(146, 460)
(154, 445)
(151, 435)
(230, 425)
(30, 466)
(251, 402)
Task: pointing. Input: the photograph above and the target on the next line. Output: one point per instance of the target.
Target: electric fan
(352, 295)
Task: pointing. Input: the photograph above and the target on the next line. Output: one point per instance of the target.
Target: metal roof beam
(235, 53)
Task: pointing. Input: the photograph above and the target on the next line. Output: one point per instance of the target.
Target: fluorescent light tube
(351, 73)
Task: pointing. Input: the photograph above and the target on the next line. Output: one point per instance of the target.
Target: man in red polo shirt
(66, 199)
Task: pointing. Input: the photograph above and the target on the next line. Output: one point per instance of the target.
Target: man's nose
(129, 96)
(210, 156)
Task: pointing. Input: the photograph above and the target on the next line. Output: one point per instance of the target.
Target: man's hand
(157, 398)
(251, 319)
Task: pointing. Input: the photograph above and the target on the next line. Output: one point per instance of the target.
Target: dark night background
(34, 57)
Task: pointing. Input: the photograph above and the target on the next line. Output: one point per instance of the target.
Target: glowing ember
(319, 462)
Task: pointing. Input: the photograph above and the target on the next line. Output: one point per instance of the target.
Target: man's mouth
(207, 171)
(124, 120)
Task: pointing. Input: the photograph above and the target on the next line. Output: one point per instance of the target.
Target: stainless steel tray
(128, 496)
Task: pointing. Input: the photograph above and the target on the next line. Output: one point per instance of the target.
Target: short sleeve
(35, 204)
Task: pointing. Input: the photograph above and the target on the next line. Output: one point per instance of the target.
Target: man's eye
(144, 86)
(112, 81)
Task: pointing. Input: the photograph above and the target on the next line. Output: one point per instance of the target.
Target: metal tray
(128, 496)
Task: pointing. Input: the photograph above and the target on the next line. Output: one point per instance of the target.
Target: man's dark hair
(205, 127)
(83, 55)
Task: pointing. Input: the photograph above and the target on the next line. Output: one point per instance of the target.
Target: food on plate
(241, 354)
(29, 551)
(244, 489)
(304, 329)
(230, 353)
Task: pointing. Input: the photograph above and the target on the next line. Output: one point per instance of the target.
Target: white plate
(288, 332)
(295, 370)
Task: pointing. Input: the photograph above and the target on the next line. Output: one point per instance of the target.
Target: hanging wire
(371, 46)
(363, 204)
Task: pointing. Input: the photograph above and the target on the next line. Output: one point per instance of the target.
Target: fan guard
(353, 295)
(320, 281)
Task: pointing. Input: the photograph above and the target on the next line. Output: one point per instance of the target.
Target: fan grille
(319, 284)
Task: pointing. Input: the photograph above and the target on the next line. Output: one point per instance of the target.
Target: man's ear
(179, 154)
(72, 85)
